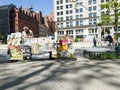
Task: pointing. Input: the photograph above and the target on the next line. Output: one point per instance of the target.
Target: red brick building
(50, 23)
(24, 17)
(13, 19)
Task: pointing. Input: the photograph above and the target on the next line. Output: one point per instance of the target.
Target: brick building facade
(50, 23)
(13, 19)
(25, 17)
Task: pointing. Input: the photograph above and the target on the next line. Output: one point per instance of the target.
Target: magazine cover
(16, 53)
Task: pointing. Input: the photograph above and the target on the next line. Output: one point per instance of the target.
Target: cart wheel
(27, 57)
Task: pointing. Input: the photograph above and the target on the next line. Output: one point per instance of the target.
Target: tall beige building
(80, 21)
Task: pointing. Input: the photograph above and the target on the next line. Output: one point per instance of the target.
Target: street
(81, 74)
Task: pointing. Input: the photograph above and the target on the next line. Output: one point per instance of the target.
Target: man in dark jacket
(110, 40)
(94, 41)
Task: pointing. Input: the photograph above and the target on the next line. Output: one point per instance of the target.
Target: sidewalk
(52, 75)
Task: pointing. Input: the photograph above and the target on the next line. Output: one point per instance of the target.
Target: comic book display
(16, 53)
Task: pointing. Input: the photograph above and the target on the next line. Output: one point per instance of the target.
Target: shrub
(76, 39)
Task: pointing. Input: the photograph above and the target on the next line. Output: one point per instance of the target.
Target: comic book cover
(16, 54)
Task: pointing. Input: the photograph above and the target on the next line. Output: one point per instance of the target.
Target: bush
(76, 40)
(103, 56)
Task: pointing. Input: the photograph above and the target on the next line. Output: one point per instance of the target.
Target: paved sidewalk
(82, 74)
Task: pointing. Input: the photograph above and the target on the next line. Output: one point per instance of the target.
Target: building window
(67, 7)
(57, 2)
(90, 21)
(61, 18)
(61, 25)
(71, 5)
(81, 9)
(77, 16)
(71, 11)
(90, 14)
(71, 17)
(67, 12)
(67, 24)
(69, 32)
(61, 12)
(81, 22)
(81, 15)
(94, 21)
(67, 17)
(61, 1)
(81, 3)
(79, 31)
(94, 7)
(57, 7)
(58, 24)
(107, 0)
(58, 13)
(67, 1)
(90, 2)
(61, 7)
(94, 14)
(94, 1)
(95, 30)
(90, 8)
(71, 23)
(77, 23)
(58, 19)
(90, 30)
(77, 10)
(60, 32)
(118, 28)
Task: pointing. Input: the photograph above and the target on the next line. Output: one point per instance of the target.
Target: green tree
(105, 20)
(112, 6)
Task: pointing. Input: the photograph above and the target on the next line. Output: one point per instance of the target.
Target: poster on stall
(45, 43)
(42, 40)
(14, 39)
(16, 35)
(16, 54)
(34, 46)
(34, 40)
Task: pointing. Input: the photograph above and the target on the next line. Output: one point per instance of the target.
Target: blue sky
(46, 6)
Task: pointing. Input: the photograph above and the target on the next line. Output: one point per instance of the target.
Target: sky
(46, 6)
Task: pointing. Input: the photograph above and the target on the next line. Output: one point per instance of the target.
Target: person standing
(63, 48)
(110, 40)
(26, 34)
(94, 41)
